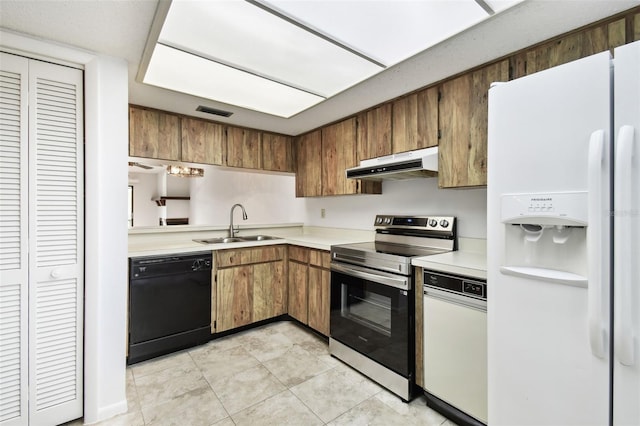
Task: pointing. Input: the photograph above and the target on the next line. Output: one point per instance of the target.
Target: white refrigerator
(563, 232)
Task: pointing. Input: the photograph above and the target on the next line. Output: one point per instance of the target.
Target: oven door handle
(397, 282)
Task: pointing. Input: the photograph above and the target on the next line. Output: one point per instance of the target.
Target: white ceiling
(120, 28)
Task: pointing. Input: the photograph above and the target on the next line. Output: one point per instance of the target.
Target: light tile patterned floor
(278, 374)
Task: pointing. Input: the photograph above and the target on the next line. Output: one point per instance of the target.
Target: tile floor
(278, 374)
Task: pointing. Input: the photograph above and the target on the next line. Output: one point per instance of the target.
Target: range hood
(405, 165)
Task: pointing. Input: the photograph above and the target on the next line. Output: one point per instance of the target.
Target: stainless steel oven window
(369, 309)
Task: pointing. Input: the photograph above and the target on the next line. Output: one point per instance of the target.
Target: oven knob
(387, 221)
(444, 223)
(433, 223)
(378, 220)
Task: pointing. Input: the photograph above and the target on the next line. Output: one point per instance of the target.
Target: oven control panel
(431, 223)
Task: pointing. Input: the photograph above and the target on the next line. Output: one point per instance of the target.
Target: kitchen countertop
(470, 260)
(151, 243)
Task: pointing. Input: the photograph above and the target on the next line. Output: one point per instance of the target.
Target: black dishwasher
(169, 304)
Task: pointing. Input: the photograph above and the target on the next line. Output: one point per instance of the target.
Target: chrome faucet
(232, 231)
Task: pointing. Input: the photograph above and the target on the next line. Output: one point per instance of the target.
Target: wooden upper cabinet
(338, 154)
(415, 121)
(634, 27)
(308, 150)
(277, 152)
(374, 133)
(203, 142)
(154, 134)
(568, 48)
(462, 160)
(244, 148)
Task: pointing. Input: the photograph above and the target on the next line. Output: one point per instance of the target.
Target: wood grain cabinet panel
(338, 154)
(462, 154)
(234, 298)
(635, 27)
(309, 287)
(374, 133)
(319, 299)
(308, 149)
(415, 121)
(250, 285)
(244, 148)
(203, 142)
(154, 134)
(277, 152)
(570, 47)
(297, 294)
(269, 291)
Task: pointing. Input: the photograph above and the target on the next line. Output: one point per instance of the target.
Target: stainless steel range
(372, 297)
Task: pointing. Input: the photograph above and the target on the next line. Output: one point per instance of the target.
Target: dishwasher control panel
(456, 284)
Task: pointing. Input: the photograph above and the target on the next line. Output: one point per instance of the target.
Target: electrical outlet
(322, 213)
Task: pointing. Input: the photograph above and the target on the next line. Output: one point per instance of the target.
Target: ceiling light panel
(176, 70)
(389, 31)
(242, 35)
(500, 5)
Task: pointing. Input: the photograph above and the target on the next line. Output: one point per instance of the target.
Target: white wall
(267, 197)
(106, 287)
(415, 196)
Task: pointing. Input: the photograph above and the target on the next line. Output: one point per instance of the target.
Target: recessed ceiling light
(282, 57)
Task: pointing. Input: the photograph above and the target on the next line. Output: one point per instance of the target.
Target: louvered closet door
(13, 240)
(56, 254)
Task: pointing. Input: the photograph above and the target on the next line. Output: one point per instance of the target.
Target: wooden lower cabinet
(269, 290)
(298, 279)
(235, 297)
(249, 286)
(309, 287)
(319, 299)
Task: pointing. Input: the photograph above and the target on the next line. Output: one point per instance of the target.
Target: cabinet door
(308, 150)
(319, 300)
(374, 133)
(592, 40)
(297, 301)
(462, 160)
(203, 142)
(277, 152)
(234, 298)
(635, 27)
(415, 121)
(269, 290)
(243, 148)
(338, 154)
(154, 134)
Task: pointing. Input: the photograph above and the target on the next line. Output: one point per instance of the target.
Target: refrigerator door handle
(596, 237)
(624, 335)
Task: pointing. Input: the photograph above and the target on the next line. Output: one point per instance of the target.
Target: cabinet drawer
(320, 258)
(235, 257)
(299, 254)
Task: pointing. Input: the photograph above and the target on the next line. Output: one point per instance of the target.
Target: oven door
(372, 313)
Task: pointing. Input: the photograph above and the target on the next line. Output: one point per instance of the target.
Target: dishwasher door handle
(456, 299)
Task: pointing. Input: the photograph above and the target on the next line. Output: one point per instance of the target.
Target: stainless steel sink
(226, 240)
(259, 238)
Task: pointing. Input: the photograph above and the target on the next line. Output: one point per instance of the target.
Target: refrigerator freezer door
(542, 370)
(626, 364)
